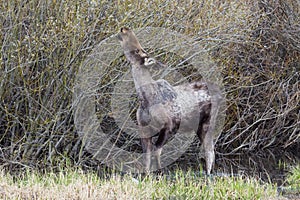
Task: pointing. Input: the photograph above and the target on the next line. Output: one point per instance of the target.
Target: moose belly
(191, 106)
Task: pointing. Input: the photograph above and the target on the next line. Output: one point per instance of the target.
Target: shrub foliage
(43, 44)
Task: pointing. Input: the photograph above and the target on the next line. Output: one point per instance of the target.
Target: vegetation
(75, 184)
(293, 181)
(256, 45)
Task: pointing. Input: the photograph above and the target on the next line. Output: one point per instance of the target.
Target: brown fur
(164, 109)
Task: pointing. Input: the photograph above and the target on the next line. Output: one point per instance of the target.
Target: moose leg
(161, 140)
(209, 152)
(157, 157)
(206, 139)
(147, 148)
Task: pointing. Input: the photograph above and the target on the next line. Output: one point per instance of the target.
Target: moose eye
(136, 51)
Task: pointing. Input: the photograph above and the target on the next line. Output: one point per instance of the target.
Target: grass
(75, 184)
(293, 181)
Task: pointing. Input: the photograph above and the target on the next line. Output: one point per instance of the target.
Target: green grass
(74, 184)
(293, 181)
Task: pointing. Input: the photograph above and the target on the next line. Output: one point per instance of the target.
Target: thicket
(43, 43)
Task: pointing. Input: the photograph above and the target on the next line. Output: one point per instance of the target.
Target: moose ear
(149, 61)
(124, 30)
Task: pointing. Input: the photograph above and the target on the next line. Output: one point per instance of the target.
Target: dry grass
(77, 185)
(34, 186)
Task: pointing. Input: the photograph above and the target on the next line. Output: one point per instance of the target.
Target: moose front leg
(147, 148)
(163, 136)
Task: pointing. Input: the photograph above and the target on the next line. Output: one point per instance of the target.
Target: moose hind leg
(209, 155)
(206, 139)
(147, 148)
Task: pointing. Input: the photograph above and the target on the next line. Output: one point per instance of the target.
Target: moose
(163, 109)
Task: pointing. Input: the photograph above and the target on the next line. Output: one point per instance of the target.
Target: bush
(43, 44)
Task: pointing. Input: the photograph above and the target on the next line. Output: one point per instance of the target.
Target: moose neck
(141, 76)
